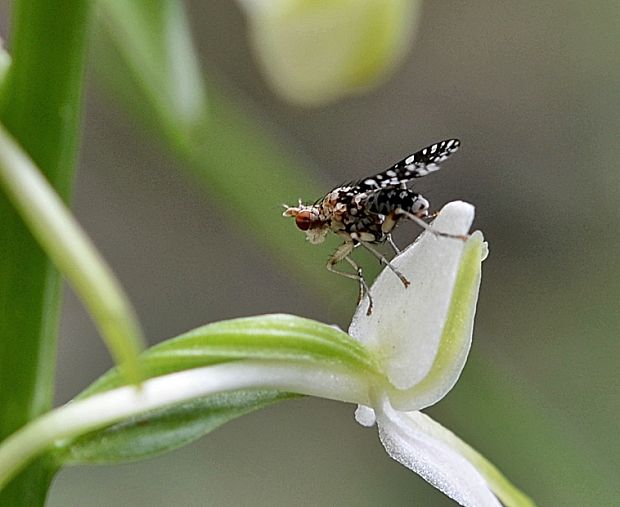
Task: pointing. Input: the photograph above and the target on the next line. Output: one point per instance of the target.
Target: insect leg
(392, 244)
(424, 225)
(342, 253)
(364, 289)
(387, 263)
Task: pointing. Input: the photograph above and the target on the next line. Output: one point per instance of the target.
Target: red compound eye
(304, 220)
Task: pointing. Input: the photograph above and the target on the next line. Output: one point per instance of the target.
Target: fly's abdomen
(391, 200)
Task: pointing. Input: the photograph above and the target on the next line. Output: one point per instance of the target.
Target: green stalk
(40, 105)
(64, 241)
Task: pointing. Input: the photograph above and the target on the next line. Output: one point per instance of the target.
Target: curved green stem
(62, 238)
(80, 417)
(40, 104)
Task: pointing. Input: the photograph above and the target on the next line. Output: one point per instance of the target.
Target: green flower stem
(62, 238)
(40, 104)
(80, 417)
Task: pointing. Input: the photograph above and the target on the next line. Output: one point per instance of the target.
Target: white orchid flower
(421, 338)
(409, 353)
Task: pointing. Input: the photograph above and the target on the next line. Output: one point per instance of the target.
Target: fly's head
(308, 219)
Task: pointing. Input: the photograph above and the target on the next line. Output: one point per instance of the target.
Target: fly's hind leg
(342, 253)
(427, 227)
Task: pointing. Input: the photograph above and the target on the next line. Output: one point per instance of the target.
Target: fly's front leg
(342, 253)
(387, 263)
(364, 289)
(425, 226)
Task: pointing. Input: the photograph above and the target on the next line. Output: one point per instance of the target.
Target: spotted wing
(417, 165)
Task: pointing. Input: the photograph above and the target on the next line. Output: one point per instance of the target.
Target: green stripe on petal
(456, 336)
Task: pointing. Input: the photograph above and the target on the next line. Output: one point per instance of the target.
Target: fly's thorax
(334, 207)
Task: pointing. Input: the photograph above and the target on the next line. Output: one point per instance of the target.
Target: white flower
(421, 337)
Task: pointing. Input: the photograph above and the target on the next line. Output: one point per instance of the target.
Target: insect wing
(419, 164)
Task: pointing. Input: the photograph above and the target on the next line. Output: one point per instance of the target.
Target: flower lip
(436, 454)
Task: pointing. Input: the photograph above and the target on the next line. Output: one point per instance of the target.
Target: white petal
(422, 334)
(415, 440)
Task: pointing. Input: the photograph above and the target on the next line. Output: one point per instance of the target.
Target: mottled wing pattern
(417, 165)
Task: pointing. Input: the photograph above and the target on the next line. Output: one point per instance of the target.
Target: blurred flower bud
(319, 51)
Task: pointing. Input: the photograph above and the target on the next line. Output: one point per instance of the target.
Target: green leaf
(40, 104)
(166, 429)
(159, 77)
(5, 62)
(268, 337)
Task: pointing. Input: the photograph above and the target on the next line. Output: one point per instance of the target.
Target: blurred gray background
(532, 90)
